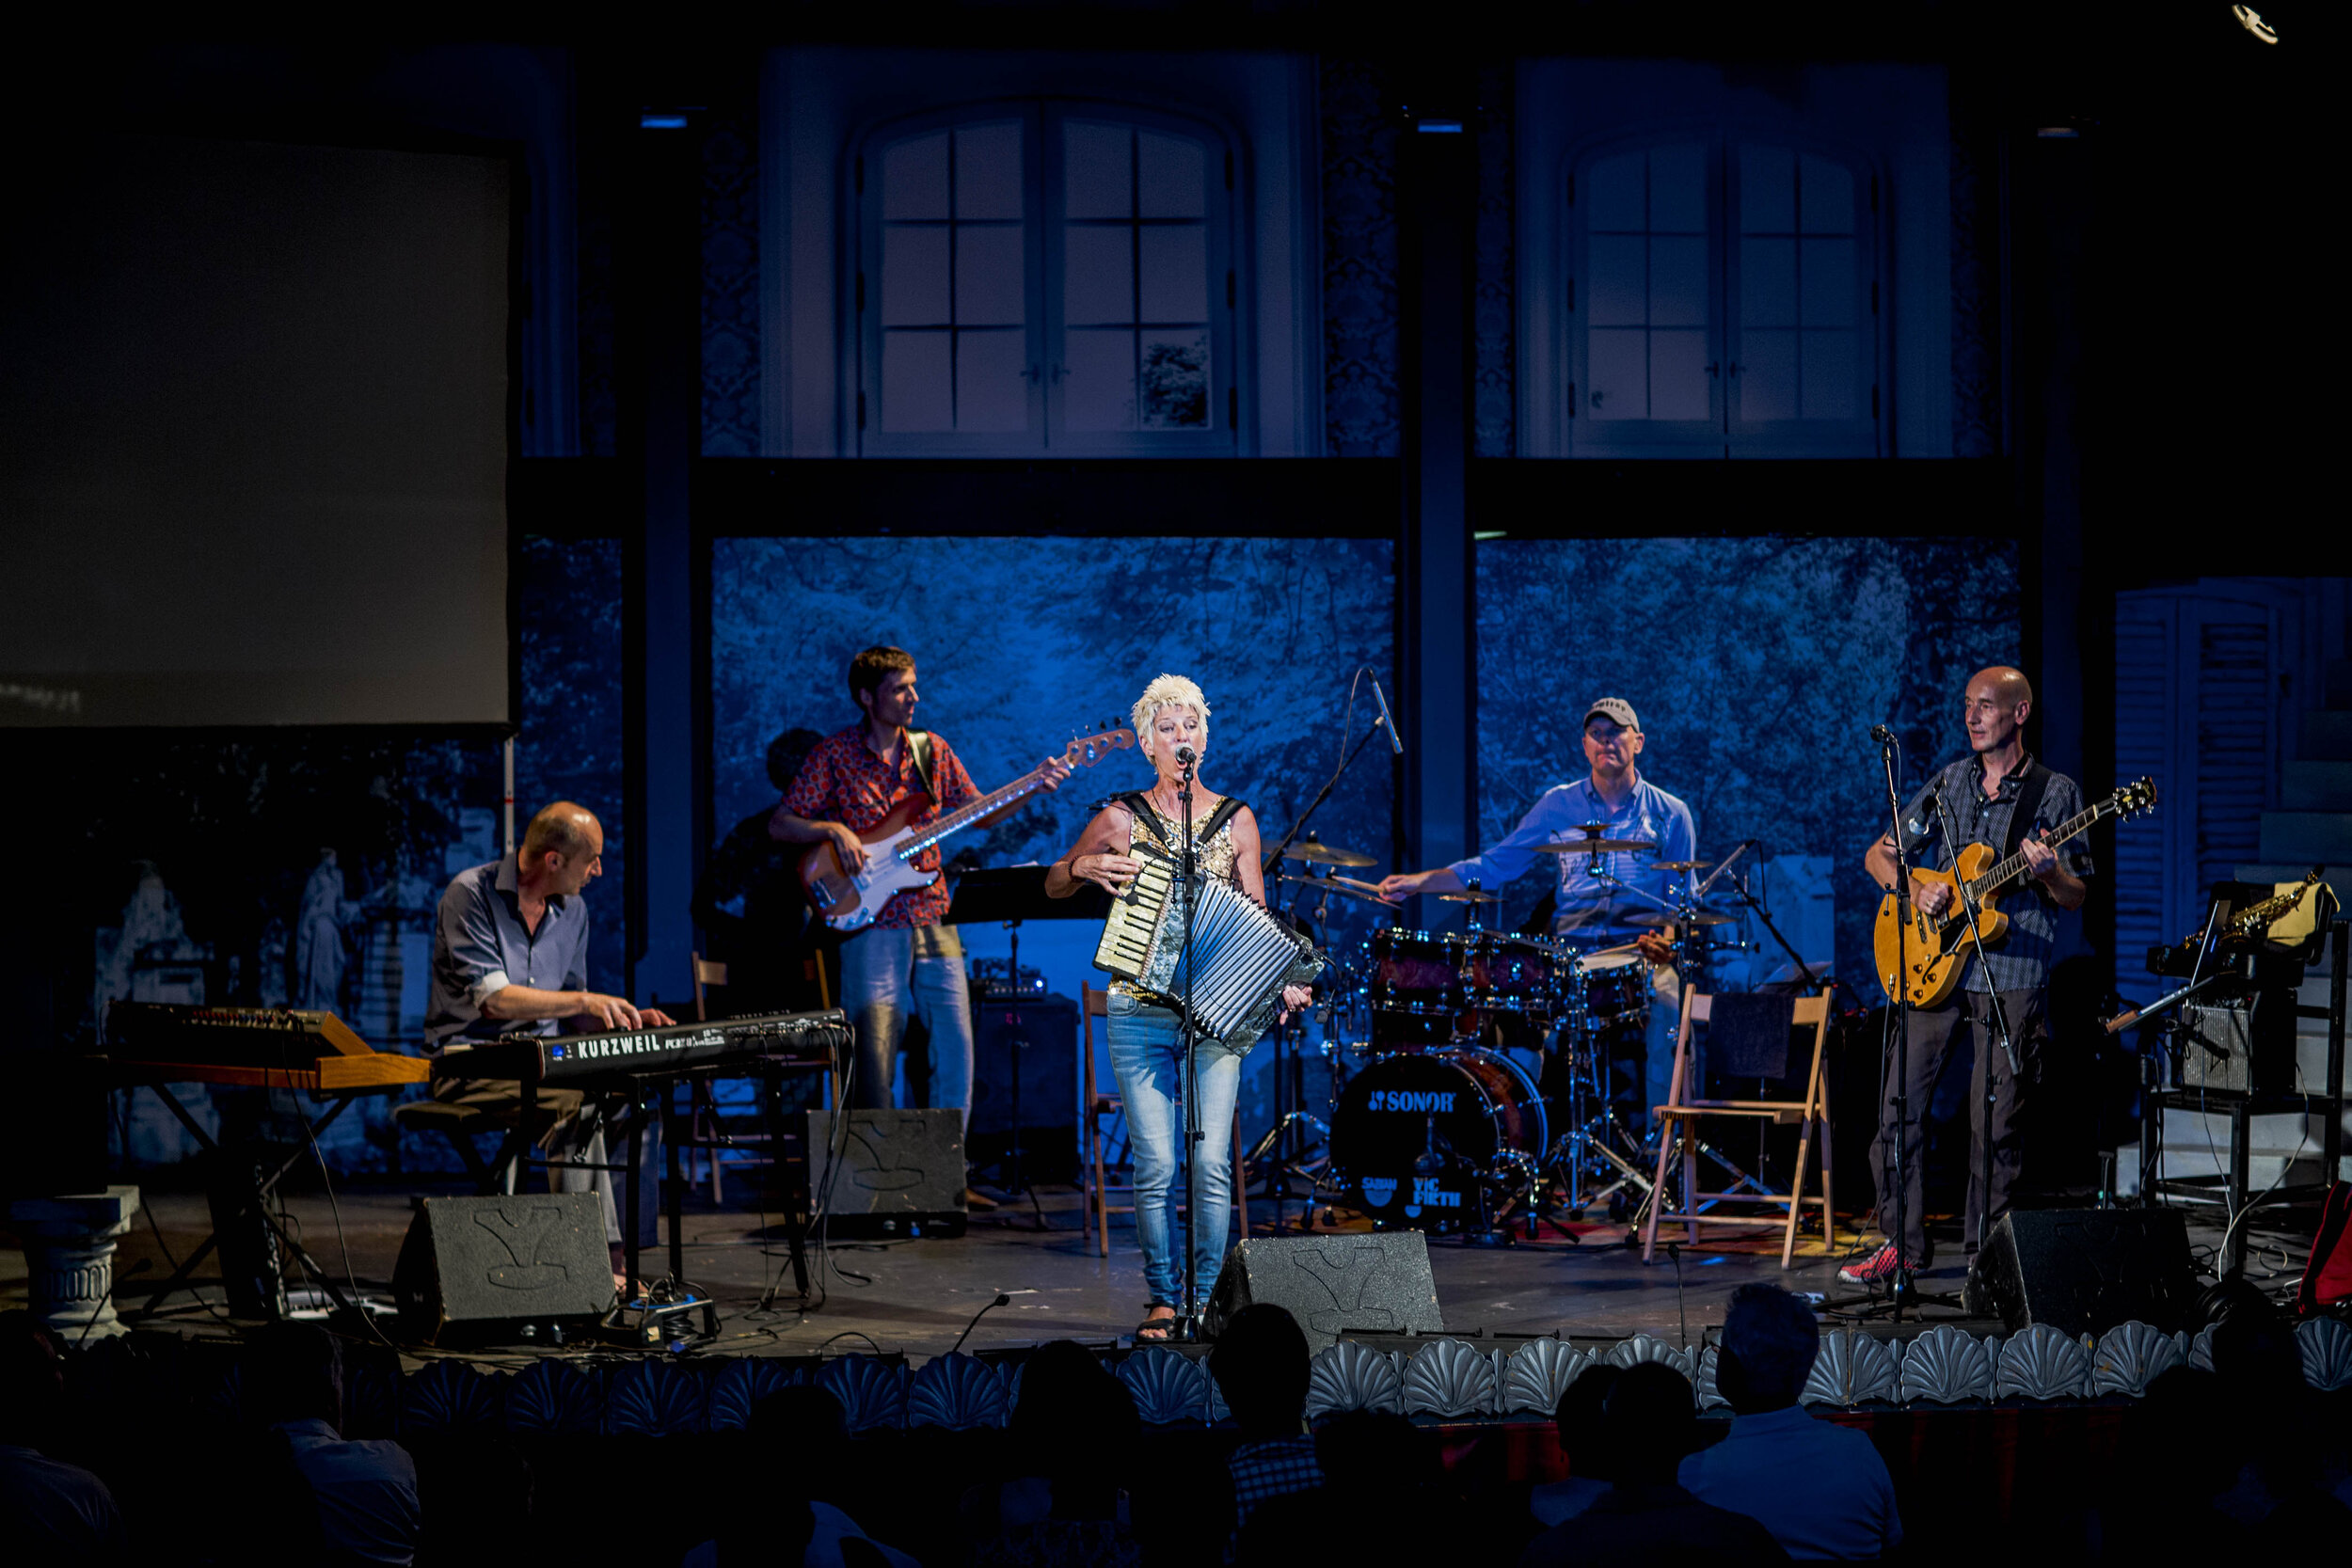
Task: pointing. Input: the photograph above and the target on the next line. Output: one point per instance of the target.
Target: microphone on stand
(1002, 1300)
(1396, 742)
(1881, 734)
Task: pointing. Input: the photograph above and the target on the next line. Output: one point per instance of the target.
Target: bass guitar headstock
(1088, 749)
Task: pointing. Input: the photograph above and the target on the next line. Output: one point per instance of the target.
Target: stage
(916, 1296)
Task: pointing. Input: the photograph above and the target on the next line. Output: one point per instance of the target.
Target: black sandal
(1156, 1331)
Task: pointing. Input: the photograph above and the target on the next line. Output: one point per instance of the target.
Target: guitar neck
(987, 805)
(2008, 871)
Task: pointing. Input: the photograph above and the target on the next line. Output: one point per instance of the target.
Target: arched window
(1045, 275)
(1725, 301)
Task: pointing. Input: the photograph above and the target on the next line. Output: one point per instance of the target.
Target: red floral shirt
(844, 782)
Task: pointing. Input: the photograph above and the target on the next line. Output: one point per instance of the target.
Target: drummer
(1596, 896)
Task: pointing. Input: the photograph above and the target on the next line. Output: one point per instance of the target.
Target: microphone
(1396, 742)
(1002, 1300)
(1881, 734)
(1186, 755)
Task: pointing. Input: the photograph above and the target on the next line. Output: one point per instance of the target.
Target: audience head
(1770, 1340)
(1578, 1418)
(785, 754)
(1261, 1365)
(2254, 1349)
(296, 1373)
(1648, 1419)
(32, 1379)
(1072, 1424)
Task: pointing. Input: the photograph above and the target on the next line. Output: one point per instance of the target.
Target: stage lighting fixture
(2251, 20)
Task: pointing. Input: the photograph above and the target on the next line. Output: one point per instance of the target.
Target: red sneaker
(1877, 1269)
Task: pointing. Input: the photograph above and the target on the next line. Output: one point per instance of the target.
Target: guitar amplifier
(2244, 1046)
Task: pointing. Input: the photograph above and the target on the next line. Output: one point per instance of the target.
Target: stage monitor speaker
(2083, 1271)
(482, 1268)
(1379, 1282)
(901, 1172)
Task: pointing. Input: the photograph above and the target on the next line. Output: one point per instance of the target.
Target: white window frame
(1043, 214)
(1723, 433)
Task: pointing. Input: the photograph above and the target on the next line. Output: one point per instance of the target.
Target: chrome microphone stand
(1187, 1325)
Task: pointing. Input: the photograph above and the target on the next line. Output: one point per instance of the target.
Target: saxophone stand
(1188, 1325)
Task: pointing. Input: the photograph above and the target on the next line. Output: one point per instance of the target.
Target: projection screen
(253, 406)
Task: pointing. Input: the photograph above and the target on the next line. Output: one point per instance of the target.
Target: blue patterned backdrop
(1757, 666)
(1020, 641)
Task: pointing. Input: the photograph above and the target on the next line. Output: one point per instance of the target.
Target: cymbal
(1471, 897)
(1703, 917)
(1346, 886)
(1328, 854)
(1596, 846)
(1679, 865)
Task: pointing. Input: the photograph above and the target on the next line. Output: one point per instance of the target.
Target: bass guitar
(1936, 947)
(849, 900)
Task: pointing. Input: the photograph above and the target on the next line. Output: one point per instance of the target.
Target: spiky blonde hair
(1167, 692)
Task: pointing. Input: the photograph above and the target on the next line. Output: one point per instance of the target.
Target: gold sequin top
(1217, 857)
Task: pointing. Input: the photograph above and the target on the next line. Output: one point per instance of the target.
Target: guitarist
(906, 960)
(1999, 795)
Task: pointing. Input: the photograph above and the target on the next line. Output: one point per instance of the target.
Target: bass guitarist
(1997, 796)
(905, 960)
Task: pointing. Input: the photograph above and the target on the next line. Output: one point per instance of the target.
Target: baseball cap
(1616, 708)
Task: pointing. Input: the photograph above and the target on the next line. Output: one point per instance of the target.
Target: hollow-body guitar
(849, 900)
(1936, 947)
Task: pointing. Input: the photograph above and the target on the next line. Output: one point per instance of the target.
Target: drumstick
(1612, 952)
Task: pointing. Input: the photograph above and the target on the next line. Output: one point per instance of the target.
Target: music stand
(1008, 896)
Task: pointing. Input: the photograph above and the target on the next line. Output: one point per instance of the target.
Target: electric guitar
(1936, 947)
(849, 900)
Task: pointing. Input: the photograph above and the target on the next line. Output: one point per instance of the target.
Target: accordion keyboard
(1125, 947)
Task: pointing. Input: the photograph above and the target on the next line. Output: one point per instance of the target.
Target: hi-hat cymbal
(1679, 865)
(1596, 846)
(1471, 897)
(1703, 917)
(1347, 887)
(1326, 854)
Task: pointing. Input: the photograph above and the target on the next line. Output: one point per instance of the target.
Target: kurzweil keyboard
(807, 1037)
(292, 1048)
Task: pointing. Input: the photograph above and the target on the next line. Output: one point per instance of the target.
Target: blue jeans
(887, 974)
(1144, 1049)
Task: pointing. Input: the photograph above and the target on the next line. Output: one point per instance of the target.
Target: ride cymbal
(1703, 917)
(1679, 865)
(1596, 846)
(1328, 854)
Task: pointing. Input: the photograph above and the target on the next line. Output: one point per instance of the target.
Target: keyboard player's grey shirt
(481, 946)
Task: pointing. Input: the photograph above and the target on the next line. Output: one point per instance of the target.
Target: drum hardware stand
(1290, 1102)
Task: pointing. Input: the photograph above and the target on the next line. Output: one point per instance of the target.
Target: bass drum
(1415, 1135)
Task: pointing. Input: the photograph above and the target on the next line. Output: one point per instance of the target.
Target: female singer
(1144, 1036)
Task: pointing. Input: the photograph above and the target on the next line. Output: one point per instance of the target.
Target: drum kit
(1442, 1046)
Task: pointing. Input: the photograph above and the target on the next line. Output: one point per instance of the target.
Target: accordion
(1242, 957)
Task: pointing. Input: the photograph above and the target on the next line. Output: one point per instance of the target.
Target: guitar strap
(2029, 791)
(920, 748)
(1150, 816)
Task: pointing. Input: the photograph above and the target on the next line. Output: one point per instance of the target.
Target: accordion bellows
(1242, 957)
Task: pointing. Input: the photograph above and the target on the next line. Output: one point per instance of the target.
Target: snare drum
(1616, 988)
(1415, 1135)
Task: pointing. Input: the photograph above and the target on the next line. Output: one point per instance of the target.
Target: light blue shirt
(481, 946)
(1820, 1489)
(1587, 903)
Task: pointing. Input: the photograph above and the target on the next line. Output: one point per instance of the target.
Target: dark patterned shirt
(2020, 961)
(1274, 1469)
(844, 782)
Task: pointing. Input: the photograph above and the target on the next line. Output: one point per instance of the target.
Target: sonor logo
(1416, 1101)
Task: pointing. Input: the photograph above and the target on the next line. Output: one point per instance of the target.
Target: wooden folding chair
(1096, 1105)
(1679, 1136)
